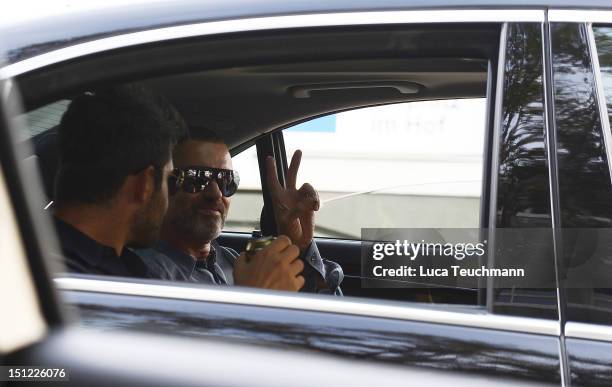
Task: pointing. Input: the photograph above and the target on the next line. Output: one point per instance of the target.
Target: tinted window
(584, 177)
(603, 41)
(523, 191)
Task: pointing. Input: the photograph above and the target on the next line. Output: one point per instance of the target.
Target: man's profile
(111, 191)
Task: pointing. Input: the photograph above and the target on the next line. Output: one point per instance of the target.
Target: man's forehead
(202, 153)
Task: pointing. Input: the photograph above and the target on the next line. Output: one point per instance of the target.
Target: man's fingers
(280, 243)
(296, 267)
(289, 254)
(309, 198)
(308, 225)
(242, 257)
(299, 282)
(293, 169)
(272, 176)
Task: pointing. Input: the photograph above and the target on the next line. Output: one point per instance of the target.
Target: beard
(147, 222)
(187, 220)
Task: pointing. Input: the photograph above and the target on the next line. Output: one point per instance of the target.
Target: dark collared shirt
(85, 255)
(166, 262)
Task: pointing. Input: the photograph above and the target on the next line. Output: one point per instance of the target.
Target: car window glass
(585, 187)
(417, 165)
(408, 165)
(603, 41)
(523, 209)
(246, 204)
(43, 119)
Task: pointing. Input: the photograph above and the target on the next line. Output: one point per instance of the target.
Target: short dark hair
(201, 133)
(107, 135)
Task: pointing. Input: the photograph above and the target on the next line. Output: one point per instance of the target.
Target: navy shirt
(85, 255)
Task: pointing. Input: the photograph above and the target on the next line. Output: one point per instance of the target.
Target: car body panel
(435, 346)
(81, 23)
(590, 362)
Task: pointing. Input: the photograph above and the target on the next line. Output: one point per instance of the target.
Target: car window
(416, 164)
(245, 210)
(603, 41)
(44, 118)
(587, 217)
(407, 165)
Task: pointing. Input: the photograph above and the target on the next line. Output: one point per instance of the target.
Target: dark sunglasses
(196, 179)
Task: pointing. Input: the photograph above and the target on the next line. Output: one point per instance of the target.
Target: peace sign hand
(293, 208)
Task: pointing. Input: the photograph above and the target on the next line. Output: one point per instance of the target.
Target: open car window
(407, 151)
(407, 165)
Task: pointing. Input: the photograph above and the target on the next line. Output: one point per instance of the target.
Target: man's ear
(142, 185)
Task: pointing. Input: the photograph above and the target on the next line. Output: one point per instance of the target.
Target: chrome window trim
(271, 23)
(576, 330)
(327, 304)
(551, 150)
(601, 97)
(579, 16)
(551, 157)
(497, 124)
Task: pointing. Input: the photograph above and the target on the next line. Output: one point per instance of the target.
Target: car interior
(250, 88)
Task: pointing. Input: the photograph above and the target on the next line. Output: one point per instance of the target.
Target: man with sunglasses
(201, 187)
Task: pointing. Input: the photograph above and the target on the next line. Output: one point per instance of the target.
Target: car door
(517, 169)
(580, 52)
(483, 337)
(37, 344)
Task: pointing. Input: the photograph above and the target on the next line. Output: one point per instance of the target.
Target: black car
(486, 117)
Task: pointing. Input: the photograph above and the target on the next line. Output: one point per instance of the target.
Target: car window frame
(292, 21)
(577, 330)
(486, 167)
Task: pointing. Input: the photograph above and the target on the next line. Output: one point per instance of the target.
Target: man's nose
(212, 190)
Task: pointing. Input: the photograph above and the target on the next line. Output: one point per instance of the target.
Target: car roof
(60, 24)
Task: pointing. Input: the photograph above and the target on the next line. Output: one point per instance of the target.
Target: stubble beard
(197, 227)
(147, 224)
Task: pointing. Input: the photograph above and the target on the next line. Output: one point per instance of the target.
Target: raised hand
(293, 208)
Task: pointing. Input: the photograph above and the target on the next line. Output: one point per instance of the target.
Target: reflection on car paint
(523, 197)
(584, 181)
(523, 189)
(392, 341)
(585, 194)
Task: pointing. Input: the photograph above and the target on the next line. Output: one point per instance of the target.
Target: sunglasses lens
(227, 183)
(194, 184)
(230, 189)
(196, 180)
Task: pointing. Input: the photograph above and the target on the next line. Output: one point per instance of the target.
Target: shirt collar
(78, 245)
(185, 261)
